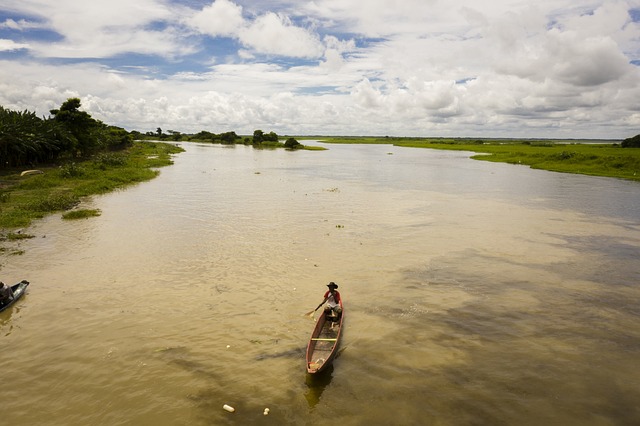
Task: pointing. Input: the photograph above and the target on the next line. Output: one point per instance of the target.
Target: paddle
(310, 314)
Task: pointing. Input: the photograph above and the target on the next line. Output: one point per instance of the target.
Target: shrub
(565, 155)
(108, 159)
(80, 214)
(55, 202)
(291, 143)
(71, 170)
(633, 142)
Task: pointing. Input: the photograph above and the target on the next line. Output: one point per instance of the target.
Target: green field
(588, 157)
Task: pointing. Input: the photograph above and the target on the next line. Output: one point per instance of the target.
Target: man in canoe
(6, 294)
(332, 298)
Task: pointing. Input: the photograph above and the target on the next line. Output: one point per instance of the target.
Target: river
(474, 293)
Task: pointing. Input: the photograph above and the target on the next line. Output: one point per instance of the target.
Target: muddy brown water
(475, 293)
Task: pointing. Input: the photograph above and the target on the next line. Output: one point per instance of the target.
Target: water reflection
(317, 384)
(6, 323)
(5, 319)
(294, 353)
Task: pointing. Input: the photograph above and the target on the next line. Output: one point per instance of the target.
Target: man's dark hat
(332, 284)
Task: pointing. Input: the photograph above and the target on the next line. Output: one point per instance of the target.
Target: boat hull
(18, 291)
(323, 344)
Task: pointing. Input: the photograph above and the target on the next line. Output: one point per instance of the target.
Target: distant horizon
(556, 69)
(459, 137)
(410, 137)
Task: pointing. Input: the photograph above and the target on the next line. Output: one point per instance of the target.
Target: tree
(118, 138)
(175, 135)
(228, 138)
(82, 128)
(258, 137)
(203, 135)
(633, 142)
(291, 143)
(270, 137)
(28, 139)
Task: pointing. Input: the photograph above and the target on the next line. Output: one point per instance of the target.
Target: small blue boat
(18, 291)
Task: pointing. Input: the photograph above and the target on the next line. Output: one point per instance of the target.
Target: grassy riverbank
(61, 187)
(566, 156)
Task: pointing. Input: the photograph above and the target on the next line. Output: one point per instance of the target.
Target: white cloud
(269, 33)
(379, 18)
(334, 51)
(19, 25)
(115, 42)
(570, 52)
(366, 95)
(9, 45)
(275, 34)
(99, 29)
(220, 18)
(77, 20)
(586, 62)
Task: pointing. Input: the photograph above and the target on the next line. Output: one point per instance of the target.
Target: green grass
(62, 187)
(15, 236)
(81, 214)
(573, 156)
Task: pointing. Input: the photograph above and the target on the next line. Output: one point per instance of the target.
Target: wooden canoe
(18, 290)
(323, 345)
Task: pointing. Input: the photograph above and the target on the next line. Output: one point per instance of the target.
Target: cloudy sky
(485, 68)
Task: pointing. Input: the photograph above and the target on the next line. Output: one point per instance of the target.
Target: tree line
(259, 138)
(69, 133)
(28, 140)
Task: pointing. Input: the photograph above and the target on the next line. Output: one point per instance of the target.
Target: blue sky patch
(465, 80)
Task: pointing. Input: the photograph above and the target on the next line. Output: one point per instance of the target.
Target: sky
(433, 68)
